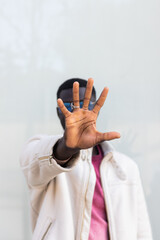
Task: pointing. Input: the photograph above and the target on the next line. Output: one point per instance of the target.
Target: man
(80, 188)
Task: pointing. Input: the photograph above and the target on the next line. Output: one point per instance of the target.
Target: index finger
(101, 100)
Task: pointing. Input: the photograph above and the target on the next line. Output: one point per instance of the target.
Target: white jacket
(61, 197)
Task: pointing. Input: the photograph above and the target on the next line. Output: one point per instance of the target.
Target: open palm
(80, 125)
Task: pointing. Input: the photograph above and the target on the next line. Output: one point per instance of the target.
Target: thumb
(107, 136)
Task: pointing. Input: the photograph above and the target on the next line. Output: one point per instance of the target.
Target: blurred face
(67, 96)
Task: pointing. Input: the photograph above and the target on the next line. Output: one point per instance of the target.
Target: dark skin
(80, 125)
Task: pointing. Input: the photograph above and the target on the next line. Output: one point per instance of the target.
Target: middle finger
(76, 95)
(88, 93)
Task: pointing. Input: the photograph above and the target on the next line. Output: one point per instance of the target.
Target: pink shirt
(99, 224)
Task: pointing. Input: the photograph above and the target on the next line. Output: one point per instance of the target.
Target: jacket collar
(109, 151)
(107, 147)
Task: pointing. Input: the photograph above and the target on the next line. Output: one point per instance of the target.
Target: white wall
(42, 43)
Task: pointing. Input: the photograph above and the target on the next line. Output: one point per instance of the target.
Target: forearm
(36, 162)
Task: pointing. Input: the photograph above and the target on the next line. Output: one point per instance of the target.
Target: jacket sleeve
(144, 228)
(37, 162)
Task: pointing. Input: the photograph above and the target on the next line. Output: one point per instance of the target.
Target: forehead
(67, 94)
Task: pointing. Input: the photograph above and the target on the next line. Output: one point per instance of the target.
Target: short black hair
(69, 84)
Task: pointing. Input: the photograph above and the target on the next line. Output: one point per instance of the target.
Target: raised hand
(80, 125)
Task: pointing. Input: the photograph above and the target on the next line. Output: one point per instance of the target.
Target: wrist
(67, 149)
(62, 152)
